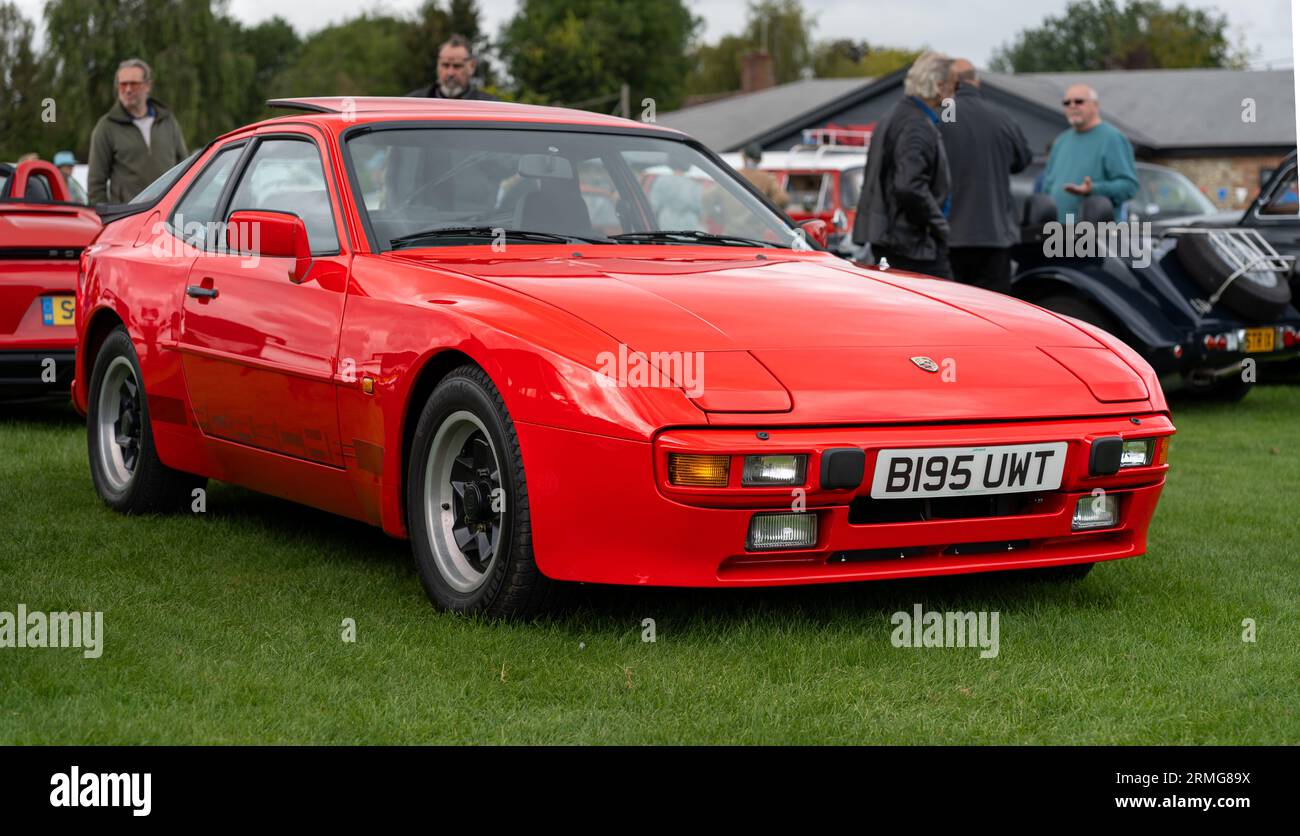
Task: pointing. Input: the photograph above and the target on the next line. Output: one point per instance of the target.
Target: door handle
(201, 292)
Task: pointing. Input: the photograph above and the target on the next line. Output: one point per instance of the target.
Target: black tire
(149, 485)
(1082, 310)
(509, 584)
(1209, 269)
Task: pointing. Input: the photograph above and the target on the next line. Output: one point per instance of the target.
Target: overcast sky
(972, 28)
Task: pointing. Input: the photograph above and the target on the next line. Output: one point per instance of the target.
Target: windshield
(1168, 193)
(551, 186)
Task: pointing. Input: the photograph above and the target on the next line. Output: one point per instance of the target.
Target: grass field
(225, 628)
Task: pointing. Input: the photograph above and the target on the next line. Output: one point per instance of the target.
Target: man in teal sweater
(1091, 157)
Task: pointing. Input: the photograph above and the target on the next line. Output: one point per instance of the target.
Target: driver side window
(285, 175)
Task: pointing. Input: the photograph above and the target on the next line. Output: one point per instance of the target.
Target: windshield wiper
(673, 236)
(487, 232)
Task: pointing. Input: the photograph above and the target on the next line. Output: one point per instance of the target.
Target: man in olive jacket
(902, 212)
(135, 142)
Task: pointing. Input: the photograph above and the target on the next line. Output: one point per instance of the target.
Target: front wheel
(124, 464)
(467, 503)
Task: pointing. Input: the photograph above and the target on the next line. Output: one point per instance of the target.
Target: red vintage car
(42, 234)
(401, 311)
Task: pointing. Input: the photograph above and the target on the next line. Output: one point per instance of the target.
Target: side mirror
(271, 234)
(816, 229)
(840, 220)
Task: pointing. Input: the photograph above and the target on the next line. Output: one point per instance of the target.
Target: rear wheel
(467, 503)
(124, 465)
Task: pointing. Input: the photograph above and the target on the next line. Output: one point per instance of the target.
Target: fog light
(782, 531)
(1094, 512)
(774, 470)
(1137, 453)
(698, 470)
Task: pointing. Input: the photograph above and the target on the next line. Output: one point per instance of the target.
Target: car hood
(815, 337)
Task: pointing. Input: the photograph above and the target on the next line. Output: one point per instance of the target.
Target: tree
(274, 46)
(573, 51)
(715, 68)
(365, 56)
(198, 72)
(857, 59)
(779, 27)
(1099, 35)
(21, 85)
(784, 30)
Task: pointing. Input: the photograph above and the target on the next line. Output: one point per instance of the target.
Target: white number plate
(968, 471)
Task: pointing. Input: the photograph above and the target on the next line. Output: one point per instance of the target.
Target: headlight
(774, 470)
(698, 470)
(1137, 453)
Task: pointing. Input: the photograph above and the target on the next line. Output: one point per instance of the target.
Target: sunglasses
(1075, 102)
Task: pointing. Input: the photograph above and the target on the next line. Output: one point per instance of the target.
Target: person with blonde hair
(135, 142)
(903, 209)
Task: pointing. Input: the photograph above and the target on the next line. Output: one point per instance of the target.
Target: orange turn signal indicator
(698, 470)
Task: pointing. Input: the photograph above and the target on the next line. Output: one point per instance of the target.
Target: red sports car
(42, 233)
(401, 311)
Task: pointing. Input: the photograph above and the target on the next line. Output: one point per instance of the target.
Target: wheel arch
(1138, 330)
(101, 323)
(435, 368)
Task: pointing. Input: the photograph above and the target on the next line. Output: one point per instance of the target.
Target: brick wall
(1231, 182)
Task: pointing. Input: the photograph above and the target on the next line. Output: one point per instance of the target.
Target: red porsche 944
(550, 346)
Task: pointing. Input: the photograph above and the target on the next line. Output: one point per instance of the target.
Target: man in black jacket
(984, 149)
(456, 66)
(902, 212)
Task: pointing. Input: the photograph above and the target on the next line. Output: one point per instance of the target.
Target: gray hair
(928, 75)
(459, 41)
(135, 62)
(1092, 94)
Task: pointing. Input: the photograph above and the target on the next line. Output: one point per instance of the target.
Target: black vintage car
(1207, 306)
(1275, 214)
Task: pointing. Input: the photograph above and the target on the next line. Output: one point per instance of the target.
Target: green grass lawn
(225, 628)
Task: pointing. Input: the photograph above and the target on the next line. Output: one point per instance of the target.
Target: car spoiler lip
(109, 212)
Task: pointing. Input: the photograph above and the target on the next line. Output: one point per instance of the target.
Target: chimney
(756, 72)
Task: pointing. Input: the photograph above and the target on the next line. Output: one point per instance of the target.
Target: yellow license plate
(58, 310)
(1259, 340)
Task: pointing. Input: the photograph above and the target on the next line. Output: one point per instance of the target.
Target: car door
(259, 348)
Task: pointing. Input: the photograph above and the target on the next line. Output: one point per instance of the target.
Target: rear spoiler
(109, 212)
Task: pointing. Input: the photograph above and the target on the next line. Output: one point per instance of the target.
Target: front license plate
(1259, 340)
(58, 310)
(968, 471)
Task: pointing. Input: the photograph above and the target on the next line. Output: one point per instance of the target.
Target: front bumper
(601, 511)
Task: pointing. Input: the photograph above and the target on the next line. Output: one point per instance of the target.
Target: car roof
(342, 112)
